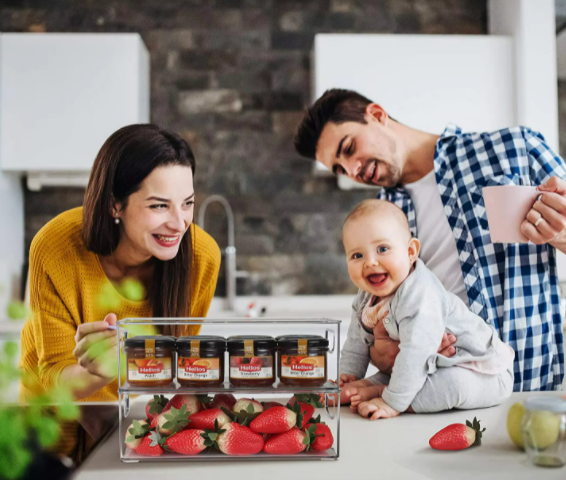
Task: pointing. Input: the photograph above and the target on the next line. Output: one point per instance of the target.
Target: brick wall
(232, 78)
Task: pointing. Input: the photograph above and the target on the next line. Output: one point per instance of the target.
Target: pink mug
(506, 207)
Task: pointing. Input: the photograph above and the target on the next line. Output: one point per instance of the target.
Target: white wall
(424, 81)
(531, 25)
(11, 235)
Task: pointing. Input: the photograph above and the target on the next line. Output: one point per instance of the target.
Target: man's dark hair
(335, 105)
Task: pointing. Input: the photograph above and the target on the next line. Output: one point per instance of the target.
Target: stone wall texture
(232, 77)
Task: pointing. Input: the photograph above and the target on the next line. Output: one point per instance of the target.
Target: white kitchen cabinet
(62, 95)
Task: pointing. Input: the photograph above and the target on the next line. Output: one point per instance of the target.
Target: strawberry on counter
(457, 436)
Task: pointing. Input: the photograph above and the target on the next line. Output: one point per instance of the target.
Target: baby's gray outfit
(421, 311)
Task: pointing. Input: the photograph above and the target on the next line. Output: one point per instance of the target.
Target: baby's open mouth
(377, 279)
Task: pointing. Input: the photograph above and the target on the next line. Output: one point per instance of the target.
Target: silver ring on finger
(540, 219)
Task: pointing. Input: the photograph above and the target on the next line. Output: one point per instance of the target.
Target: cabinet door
(62, 95)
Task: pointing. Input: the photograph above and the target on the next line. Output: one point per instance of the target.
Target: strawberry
(291, 442)
(275, 420)
(192, 402)
(169, 422)
(242, 405)
(257, 361)
(135, 433)
(189, 441)
(323, 437)
(314, 399)
(457, 436)
(150, 446)
(226, 400)
(205, 419)
(270, 404)
(307, 411)
(155, 406)
(239, 440)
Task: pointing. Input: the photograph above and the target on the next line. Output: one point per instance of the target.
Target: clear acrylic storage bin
(133, 399)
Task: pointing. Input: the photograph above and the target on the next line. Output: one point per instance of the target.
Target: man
(438, 181)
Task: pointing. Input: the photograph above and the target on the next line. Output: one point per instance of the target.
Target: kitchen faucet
(229, 252)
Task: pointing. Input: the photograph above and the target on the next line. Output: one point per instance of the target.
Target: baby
(398, 291)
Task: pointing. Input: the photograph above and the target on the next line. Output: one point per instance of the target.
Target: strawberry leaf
(211, 435)
(296, 408)
(138, 430)
(204, 398)
(157, 404)
(156, 439)
(176, 419)
(310, 436)
(312, 399)
(475, 425)
(316, 420)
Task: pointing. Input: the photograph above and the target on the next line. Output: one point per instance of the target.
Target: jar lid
(313, 342)
(160, 341)
(260, 342)
(546, 403)
(206, 342)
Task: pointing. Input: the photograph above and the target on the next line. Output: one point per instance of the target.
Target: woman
(136, 223)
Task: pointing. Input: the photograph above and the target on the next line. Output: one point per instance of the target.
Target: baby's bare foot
(361, 394)
(376, 408)
(350, 387)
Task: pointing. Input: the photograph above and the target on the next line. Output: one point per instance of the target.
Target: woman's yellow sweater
(65, 284)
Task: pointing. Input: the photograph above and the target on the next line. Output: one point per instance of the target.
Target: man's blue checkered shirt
(514, 287)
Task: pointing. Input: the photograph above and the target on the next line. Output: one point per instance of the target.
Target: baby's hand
(345, 378)
(377, 408)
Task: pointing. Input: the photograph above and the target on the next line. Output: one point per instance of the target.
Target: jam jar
(544, 430)
(252, 360)
(200, 361)
(302, 360)
(150, 360)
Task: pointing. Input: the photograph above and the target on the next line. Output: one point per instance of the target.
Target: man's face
(367, 153)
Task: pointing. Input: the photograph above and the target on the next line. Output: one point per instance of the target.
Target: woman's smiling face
(155, 218)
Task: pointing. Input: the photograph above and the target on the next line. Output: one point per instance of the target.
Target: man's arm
(384, 350)
(546, 221)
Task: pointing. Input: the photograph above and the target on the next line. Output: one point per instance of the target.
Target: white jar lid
(546, 403)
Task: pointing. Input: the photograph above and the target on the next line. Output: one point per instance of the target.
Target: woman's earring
(117, 219)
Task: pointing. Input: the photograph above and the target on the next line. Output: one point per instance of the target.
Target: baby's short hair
(371, 206)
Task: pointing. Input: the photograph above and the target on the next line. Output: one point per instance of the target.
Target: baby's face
(380, 252)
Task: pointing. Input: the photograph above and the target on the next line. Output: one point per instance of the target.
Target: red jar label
(302, 367)
(251, 367)
(198, 369)
(150, 369)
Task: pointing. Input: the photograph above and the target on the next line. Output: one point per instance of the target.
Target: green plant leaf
(14, 461)
(132, 290)
(108, 298)
(17, 311)
(47, 432)
(11, 349)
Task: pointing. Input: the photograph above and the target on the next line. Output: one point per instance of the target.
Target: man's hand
(546, 221)
(384, 349)
(346, 378)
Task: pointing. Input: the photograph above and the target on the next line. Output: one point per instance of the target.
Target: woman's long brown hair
(124, 161)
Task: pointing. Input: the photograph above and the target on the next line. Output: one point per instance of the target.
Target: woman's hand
(384, 349)
(95, 348)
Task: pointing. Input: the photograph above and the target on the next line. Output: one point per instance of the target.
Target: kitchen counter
(385, 449)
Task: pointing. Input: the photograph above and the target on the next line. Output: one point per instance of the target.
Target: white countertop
(385, 449)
